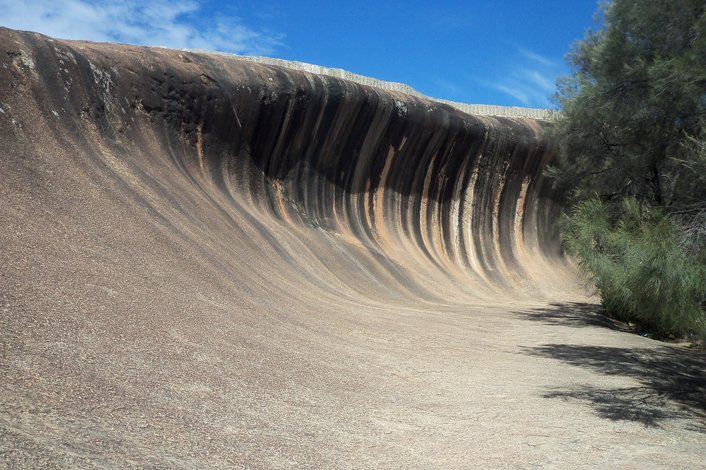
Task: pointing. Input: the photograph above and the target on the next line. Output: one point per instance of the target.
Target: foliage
(643, 271)
(631, 160)
(634, 106)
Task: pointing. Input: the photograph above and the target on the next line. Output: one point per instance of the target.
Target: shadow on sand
(671, 381)
(574, 314)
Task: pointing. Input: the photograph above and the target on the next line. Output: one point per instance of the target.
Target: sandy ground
(448, 387)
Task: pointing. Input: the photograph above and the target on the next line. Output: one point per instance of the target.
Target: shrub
(641, 266)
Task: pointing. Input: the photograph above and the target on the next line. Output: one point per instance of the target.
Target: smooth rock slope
(210, 262)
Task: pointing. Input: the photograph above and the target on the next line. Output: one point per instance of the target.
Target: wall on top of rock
(474, 109)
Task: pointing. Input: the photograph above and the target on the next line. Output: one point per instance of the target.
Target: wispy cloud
(536, 58)
(447, 87)
(169, 23)
(530, 79)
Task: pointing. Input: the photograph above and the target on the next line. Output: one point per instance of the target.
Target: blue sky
(504, 52)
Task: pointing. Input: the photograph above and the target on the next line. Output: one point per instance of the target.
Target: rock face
(213, 262)
(475, 109)
(415, 193)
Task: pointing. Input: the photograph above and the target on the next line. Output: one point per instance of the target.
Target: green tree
(631, 145)
(635, 106)
(640, 265)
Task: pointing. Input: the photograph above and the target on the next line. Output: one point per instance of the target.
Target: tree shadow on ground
(671, 381)
(573, 314)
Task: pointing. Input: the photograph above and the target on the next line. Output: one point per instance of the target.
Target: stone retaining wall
(475, 109)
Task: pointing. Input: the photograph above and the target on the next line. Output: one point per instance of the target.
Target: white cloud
(540, 79)
(530, 79)
(175, 23)
(537, 58)
(517, 91)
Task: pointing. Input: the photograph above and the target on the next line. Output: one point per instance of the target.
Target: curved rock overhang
(352, 189)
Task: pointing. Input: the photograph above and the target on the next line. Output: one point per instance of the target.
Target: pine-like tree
(631, 161)
(634, 109)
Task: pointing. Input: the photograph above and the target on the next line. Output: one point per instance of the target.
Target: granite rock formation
(210, 262)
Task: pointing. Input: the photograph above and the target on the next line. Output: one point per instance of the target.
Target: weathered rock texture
(413, 192)
(210, 262)
(475, 109)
